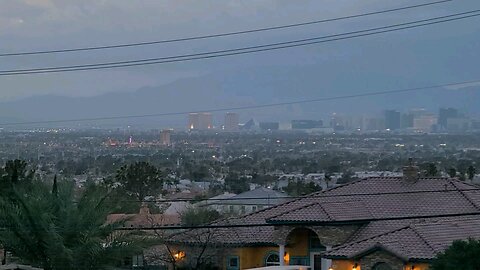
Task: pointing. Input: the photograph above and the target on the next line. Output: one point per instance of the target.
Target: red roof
(144, 219)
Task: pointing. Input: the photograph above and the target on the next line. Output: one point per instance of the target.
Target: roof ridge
(325, 211)
(370, 238)
(384, 247)
(456, 180)
(423, 238)
(357, 232)
(464, 195)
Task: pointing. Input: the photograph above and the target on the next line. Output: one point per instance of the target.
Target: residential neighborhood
(388, 222)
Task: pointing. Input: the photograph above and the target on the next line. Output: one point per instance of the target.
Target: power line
(247, 107)
(314, 195)
(90, 48)
(227, 225)
(244, 50)
(223, 226)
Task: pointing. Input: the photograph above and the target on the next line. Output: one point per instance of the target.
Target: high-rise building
(407, 121)
(444, 114)
(193, 121)
(458, 124)
(392, 119)
(165, 136)
(375, 123)
(200, 121)
(424, 122)
(231, 122)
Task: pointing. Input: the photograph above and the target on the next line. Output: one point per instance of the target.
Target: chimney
(410, 172)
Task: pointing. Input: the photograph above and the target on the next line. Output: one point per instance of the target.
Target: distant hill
(230, 89)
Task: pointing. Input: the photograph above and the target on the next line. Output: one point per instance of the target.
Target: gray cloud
(50, 24)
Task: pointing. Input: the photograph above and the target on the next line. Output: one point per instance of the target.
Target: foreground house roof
(378, 204)
(415, 242)
(376, 198)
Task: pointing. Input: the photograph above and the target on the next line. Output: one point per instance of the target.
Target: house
(144, 219)
(373, 223)
(247, 202)
(412, 246)
(215, 202)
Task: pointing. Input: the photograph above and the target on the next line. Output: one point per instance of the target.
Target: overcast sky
(424, 55)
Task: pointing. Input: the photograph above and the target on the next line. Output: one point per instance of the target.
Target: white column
(281, 253)
(326, 263)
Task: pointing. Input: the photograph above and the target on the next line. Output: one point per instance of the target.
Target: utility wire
(250, 225)
(314, 195)
(243, 225)
(221, 34)
(245, 50)
(367, 94)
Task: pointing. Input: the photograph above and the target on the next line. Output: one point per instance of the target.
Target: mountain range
(232, 89)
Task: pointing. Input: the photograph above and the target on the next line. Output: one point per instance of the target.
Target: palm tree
(45, 227)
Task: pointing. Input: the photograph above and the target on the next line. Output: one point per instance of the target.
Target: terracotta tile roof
(144, 219)
(326, 211)
(418, 241)
(245, 236)
(139, 221)
(375, 201)
(390, 198)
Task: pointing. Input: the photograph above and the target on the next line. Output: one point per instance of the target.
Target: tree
(460, 255)
(431, 170)
(297, 188)
(347, 176)
(53, 228)
(198, 216)
(452, 172)
(140, 179)
(471, 172)
(236, 184)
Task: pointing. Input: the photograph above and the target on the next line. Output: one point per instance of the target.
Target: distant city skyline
(418, 119)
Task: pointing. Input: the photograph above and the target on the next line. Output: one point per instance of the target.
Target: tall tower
(444, 114)
(193, 121)
(165, 136)
(205, 121)
(392, 119)
(231, 121)
(200, 121)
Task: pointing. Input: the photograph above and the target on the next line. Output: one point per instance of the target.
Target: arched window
(272, 259)
(381, 266)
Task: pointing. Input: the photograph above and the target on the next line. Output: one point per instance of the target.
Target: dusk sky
(409, 58)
